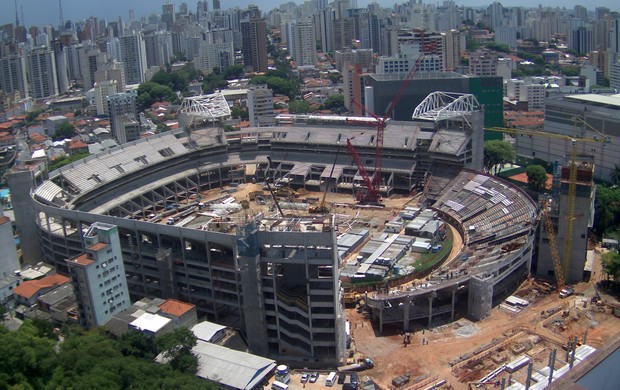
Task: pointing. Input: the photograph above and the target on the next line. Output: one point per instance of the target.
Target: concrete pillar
(453, 302)
(381, 320)
(528, 380)
(406, 304)
(551, 364)
(430, 309)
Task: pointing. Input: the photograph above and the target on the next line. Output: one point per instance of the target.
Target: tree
(497, 153)
(334, 102)
(134, 343)
(614, 176)
(607, 215)
(298, 107)
(536, 177)
(611, 265)
(66, 130)
(176, 347)
(233, 72)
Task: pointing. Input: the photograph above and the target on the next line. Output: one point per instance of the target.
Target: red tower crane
(373, 193)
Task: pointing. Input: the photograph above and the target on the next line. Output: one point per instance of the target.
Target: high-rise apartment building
(13, 74)
(103, 89)
(158, 46)
(254, 44)
(216, 5)
(123, 113)
(41, 70)
(133, 56)
(93, 60)
(454, 46)
(98, 276)
(214, 55)
(304, 43)
(260, 106)
(168, 14)
(482, 63)
(112, 71)
(9, 263)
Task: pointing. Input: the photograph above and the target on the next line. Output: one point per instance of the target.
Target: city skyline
(36, 13)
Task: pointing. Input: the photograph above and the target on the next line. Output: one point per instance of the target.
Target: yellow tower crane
(560, 267)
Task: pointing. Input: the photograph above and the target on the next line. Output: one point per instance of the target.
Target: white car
(304, 378)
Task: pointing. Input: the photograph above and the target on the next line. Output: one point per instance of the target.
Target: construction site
(274, 230)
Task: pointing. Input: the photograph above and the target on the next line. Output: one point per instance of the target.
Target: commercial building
(487, 90)
(98, 276)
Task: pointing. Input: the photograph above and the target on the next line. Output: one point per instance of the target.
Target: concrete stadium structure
(277, 278)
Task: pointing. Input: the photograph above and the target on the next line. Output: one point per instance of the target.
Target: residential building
(260, 106)
(482, 63)
(168, 15)
(532, 94)
(28, 291)
(214, 55)
(158, 47)
(254, 44)
(92, 61)
(9, 263)
(13, 75)
(112, 71)
(123, 111)
(133, 56)
(41, 70)
(455, 45)
(103, 89)
(304, 43)
(98, 276)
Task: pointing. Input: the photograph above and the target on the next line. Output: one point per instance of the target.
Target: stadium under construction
(191, 229)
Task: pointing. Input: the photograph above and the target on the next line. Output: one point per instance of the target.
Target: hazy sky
(41, 12)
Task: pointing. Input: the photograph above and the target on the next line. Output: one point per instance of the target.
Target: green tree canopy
(66, 130)
(497, 153)
(607, 215)
(536, 177)
(32, 358)
(614, 176)
(611, 265)
(334, 102)
(177, 348)
(298, 107)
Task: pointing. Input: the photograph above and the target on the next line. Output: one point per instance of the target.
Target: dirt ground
(446, 343)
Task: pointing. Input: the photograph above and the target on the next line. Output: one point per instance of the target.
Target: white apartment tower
(41, 70)
(133, 55)
(103, 89)
(305, 44)
(98, 276)
(260, 106)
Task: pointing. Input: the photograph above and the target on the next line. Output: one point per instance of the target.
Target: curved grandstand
(276, 276)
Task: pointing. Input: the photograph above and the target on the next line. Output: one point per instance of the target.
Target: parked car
(314, 377)
(304, 378)
(566, 292)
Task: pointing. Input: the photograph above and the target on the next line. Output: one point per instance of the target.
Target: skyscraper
(305, 44)
(98, 276)
(216, 4)
(254, 40)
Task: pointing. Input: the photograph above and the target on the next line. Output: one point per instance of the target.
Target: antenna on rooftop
(62, 19)
(16, 17)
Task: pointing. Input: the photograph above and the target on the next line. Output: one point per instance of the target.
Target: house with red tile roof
(77, 147)
(28, 292)
(181, 313)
